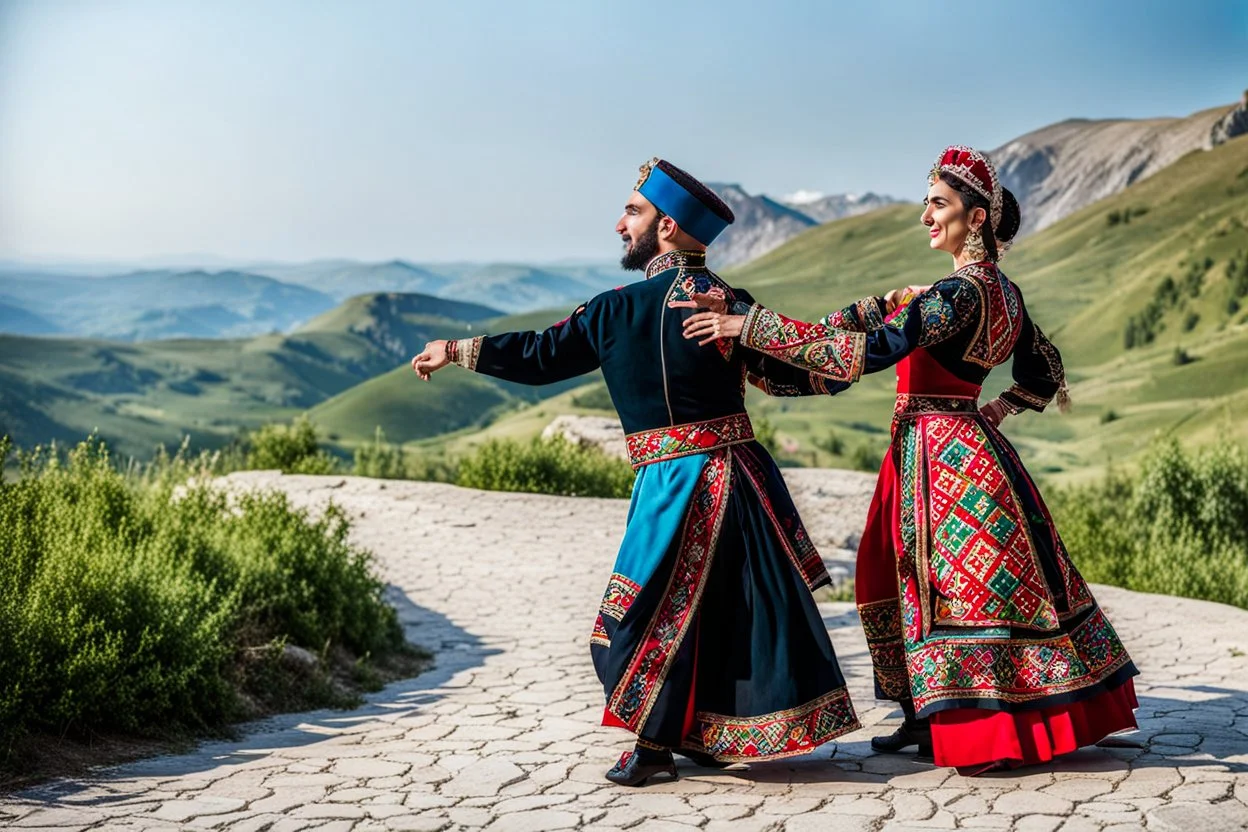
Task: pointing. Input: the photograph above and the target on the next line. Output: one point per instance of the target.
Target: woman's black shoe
(637, 766)
(907, 734)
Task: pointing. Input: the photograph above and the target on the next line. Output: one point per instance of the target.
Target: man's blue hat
(697, 210)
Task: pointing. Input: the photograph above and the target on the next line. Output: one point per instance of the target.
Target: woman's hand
(900, 297)
(994, 412)
(711, 326)
(713, 300)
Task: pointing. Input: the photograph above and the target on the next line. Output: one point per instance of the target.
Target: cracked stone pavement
(504, 732)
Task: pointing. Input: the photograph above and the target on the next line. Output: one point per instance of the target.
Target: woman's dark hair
(704, 194)
(1011, 217)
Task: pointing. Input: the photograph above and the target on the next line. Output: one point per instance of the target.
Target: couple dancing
(708, 641)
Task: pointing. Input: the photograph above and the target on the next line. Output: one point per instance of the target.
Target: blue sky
(479, 130)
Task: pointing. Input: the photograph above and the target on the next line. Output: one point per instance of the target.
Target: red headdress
(977, 171)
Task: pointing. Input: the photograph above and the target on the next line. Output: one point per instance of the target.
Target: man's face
(639, 231)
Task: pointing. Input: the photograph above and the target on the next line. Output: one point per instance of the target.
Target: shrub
(292, 448)
(1180, 527)
(1180, 357)
(132, 602)
(865, 457)
(832, 443)
(1108, 416)
(546, 466)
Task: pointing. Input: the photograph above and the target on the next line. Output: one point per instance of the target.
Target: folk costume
(707, 639)
(974, 614)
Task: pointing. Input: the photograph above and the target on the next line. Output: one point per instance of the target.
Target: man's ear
(668, 229)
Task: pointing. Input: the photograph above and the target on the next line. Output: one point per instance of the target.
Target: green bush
(832, 444)
(1108, 416)
(136, 602)
(292, 448)
(546, 466)
(866, 457)
(1179, 527)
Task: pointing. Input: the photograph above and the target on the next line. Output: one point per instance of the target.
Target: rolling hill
(139, 395)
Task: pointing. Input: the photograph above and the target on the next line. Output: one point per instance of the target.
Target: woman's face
(947, 221)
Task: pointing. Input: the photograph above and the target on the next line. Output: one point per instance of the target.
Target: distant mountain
(511, 287)
(823, 208)
(1056, 170)
(520, 288)
(762, 224)
(18, 321)
(341, 279)
(155, 304)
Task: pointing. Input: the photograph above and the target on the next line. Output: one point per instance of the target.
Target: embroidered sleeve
(831, 353)
(563, 351)
(775, 378)
(864, 315)
(1038, 372)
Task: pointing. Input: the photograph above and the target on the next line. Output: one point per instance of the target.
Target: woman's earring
(974, 245)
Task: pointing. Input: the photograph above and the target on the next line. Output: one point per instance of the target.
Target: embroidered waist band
(918, 404)
(649, 446)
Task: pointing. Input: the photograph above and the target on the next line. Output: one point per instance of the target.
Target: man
(708, 641)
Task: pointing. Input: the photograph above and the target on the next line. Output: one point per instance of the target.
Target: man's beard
(644, 249)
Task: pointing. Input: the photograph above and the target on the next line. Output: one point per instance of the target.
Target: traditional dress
(973, 611)
(707, 637)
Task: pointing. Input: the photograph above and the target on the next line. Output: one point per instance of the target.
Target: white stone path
(503, 733)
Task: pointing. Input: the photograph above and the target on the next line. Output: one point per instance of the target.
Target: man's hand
(432, 359)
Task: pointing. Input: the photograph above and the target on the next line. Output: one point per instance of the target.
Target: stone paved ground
(504, 732)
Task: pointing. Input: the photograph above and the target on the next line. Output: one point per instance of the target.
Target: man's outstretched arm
(563, 351)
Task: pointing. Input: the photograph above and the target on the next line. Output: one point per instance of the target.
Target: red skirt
(973, 736)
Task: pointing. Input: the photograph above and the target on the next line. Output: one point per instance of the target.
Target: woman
(978, 623)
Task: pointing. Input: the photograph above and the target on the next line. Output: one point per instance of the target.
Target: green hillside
(139, 395)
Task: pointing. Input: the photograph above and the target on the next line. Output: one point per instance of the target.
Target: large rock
(601, 432)
(1058, 169)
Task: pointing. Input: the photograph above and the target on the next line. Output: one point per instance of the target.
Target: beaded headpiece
(977, 171)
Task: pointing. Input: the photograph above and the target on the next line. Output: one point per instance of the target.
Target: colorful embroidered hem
(971, 665)
(620, 594)
(646, 447)
(635, 693)
(833, 353)
(782, 734)
(465, 352)
(881, 623)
